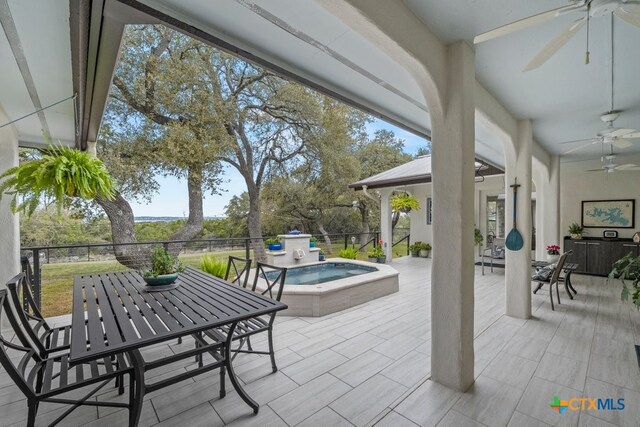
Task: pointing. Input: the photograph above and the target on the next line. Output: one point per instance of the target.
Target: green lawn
(57, 279)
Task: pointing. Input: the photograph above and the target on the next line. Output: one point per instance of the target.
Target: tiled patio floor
(370, 365)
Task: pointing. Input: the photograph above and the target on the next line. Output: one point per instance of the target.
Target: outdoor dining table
(568, 268)
(118, 313)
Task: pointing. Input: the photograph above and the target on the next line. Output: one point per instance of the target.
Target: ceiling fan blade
(524, 23)
(628, 17)
(595, 170)
(577, 148)
(620, 132)
(554, 45)
(632, 135)
(590, 140)
(621, 143)
(628, 166)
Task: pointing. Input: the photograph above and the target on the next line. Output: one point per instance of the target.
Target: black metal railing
(135, 255)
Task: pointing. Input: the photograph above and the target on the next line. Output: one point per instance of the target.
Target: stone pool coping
(329, 297)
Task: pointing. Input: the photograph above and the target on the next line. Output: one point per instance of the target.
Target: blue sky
(172, 200)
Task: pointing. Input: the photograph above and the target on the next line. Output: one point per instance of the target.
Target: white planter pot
(553, 258)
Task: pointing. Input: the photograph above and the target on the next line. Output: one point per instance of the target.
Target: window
(495, 216)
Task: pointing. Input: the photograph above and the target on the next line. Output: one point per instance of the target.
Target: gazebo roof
(417, 171)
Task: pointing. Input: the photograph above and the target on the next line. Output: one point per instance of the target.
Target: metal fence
(135, 255)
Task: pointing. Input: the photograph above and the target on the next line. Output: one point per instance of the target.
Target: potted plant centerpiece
(321, 256)
(273, 243)
(165, 268)
(312, 241)
(553, 253)
(576, 231)
(425, 250)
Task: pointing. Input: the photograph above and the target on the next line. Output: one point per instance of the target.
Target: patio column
(10, 231)
(452, 274)
(551, 203)
(386, 229)
(518, 263)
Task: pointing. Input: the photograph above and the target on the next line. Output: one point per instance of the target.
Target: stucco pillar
(9, 226)
(518, 263)
(551, 213)
(386, 229)
(452, 272)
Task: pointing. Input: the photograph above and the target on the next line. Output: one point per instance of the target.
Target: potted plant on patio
(415, 249)
(375, 253)
(576, 230)
(312, 241)
(165, 268)
(60, 174)
(382, 258)
(274, 243)
(478, 238)
(321, 256)
(553, 253)
(627, 270)
(425, 250)
(404, 203)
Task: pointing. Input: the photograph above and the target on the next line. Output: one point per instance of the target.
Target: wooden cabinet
(596, 256)
(579, 255)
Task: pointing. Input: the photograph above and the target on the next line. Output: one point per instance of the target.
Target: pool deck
(369, 365)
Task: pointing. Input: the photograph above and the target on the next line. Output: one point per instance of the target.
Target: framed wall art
(608, 213)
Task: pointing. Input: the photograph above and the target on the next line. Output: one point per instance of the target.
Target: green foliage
(50, 227)
(214, 266)
(162, 262)
(420, 246)
(348, 253)
(376, 252)
(61, 173)
(272, 241)
(414, 247)
(404, 203)
(313, 239)
(576, 228)
(478, 238)
(627, 270)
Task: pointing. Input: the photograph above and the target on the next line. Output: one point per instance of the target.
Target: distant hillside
(167, 218)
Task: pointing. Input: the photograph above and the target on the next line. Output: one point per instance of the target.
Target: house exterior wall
(420, 231)
(576, 186)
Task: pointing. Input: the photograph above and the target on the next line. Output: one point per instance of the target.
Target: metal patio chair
(46, 339)
(554, 279)
(47, 379)
(245, 329)
(240, 268)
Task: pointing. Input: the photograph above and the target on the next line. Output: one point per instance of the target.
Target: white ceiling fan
(616, 137)
(627, 10)
(609, 166)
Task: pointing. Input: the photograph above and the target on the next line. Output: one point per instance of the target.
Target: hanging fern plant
(404, 202)
(62, 172)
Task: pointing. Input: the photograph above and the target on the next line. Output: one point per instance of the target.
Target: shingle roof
(417, 171)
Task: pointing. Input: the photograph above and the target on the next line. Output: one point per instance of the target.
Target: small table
(123, 316)
(568, 268)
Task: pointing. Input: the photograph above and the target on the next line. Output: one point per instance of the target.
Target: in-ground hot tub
(319, 289)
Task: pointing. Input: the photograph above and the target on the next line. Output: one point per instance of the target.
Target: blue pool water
(321, 273)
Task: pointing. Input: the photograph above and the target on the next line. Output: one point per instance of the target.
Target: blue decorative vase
(275, 246)
(312, 244)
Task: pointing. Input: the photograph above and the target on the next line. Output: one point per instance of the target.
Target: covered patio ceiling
(55, 54)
